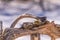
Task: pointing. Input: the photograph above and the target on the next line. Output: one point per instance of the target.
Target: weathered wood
(48, 29)
(35, 37)
(52, 38)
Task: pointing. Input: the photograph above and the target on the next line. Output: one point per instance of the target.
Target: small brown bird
(27, 25)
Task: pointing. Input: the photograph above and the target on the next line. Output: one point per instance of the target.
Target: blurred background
(11, 9)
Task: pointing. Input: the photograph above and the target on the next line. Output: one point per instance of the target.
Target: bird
(27, 25)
